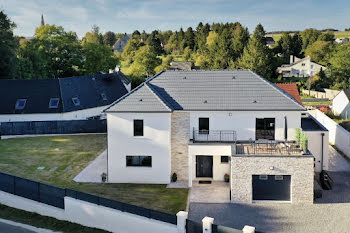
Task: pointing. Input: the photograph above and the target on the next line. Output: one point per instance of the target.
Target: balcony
(225, 136)
(268, 147)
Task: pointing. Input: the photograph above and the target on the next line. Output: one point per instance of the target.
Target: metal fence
(193, 226)
(223, 229)
(214, 136)
(54, 196)
(53, 127)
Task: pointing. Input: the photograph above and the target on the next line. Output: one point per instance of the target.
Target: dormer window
(21, 103)
(103, 96)
(76, 101)
(54, 102)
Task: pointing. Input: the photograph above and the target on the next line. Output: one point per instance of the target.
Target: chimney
(291, 59)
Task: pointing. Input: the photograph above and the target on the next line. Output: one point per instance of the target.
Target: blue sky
(126, 16)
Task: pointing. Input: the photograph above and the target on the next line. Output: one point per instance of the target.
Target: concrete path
(92, 173)
(7, 226)
(216, 192)
(337, 163)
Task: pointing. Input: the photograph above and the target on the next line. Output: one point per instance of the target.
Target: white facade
(318, 148)
(75, 115)
(341, 105)
(154, 143)
(301, 68)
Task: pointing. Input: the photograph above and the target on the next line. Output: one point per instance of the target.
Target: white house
(74, 98)
(341, 104)
(202, 125)
(300, 67)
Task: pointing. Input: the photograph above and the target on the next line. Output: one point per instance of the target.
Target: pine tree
(189, 38)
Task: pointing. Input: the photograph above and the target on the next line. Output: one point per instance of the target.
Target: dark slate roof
(309, 123)
(347, 93)
(38, 93)
(210, 90)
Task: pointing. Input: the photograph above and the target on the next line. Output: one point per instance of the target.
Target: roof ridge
(165, 103)
(287, 95)
(132, 91)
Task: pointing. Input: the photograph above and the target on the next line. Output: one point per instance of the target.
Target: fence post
(248, 229)
(181, 221)
(207, 224)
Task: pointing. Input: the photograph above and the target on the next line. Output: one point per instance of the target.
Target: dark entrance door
(204, 166)
(270, 187)
(265, 128)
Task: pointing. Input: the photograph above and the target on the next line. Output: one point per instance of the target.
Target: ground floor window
(138, 161)
(224, 159)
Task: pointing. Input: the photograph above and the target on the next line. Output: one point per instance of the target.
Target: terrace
(268, 147)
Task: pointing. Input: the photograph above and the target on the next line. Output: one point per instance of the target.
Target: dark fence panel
(52, 195)
(193, 227)
(27, 188)
(53, 127)
(7, 183)
(223, 229)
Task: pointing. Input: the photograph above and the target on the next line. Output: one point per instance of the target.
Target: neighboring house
(300, 67)
(292, 89)
(202, 125)
(270, 42)
(121, 43)
(74, 98)
(342, 40)
(182, 65)
(341, 104)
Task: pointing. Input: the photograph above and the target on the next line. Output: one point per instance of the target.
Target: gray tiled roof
(207, 90)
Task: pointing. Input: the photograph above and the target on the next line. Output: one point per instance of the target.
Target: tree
(136, 35)
(285, 45)
(165, 64)
(53, 52)
(98, 58)
(154, 41)
(145, 62)
(94, 36)
(130, 49)
(189, 38)
(297, 43)
(339, 67)
(327, 36)
(109, 38)
(257, 56)
(319, 52)
(8, 46)
(309, 36)
(240, 40)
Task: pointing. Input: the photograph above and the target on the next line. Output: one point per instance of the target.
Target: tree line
(55, 53)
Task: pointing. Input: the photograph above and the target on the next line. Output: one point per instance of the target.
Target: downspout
(322, 138)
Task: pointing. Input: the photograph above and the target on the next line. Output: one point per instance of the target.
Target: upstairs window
(303, 64)
(138, 161)
(138, 127)
(21, 103)
(103, 96)
(76, 101)
(203, 125)
(54, 102)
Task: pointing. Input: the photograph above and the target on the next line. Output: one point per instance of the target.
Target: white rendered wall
(341, 105)
(315, 147)
(215, 150)
(243, 122)
(75, 115)
(155, 143)
(90, 215)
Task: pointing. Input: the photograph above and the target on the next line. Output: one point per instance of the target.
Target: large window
(138, 127)
(203, 125)
(265, 128)
(138, 161)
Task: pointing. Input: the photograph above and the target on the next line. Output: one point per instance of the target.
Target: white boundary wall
(338, 136)
(90, 215)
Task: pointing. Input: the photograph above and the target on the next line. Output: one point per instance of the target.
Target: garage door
(271, 187)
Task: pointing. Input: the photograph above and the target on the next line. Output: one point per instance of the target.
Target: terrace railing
(214, 136)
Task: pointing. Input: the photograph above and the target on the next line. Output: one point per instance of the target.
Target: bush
(174, 177)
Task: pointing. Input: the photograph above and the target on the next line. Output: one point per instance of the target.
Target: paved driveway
(329, 214)
(336, 161)
(216, 192)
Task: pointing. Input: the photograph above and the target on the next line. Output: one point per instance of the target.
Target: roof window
(21, 103)
(54, 102)
(76, 101)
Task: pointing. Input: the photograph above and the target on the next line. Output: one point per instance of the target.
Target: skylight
(21, 103)
(103, 95)
(76, 101)
(54, 102)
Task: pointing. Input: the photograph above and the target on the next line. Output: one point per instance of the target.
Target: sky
(128, 15)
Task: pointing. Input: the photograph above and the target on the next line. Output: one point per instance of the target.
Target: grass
(40, 221)
(316, 103)
(22, 157)
(339, 34)
(304, 96)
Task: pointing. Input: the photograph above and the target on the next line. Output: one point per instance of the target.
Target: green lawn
(22, 157)
(316, 103)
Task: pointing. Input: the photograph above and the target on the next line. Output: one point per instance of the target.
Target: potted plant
(104, 177)
(174, 177)
(227, 178)
(304, 143)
